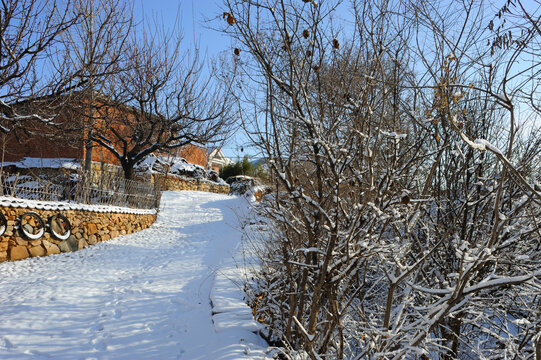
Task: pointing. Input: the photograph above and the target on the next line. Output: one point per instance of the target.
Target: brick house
(193, 153)
(67, 140)
(217, 159)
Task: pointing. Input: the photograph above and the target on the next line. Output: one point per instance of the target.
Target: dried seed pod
(308, 53)
(306, 33)
(236, 51)
(405, 199)
(335, 44)
(316, 69)
(229, 18)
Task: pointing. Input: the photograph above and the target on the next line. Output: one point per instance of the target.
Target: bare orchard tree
(327, 112)
(163, 100)
(29, 29)
(484, 198)
(92, 49)
(396, 234)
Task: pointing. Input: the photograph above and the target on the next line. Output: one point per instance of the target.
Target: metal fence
(101, 188)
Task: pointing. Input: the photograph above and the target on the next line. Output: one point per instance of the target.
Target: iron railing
(100, 188)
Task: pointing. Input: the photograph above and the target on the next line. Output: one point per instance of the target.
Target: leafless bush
(395, 234)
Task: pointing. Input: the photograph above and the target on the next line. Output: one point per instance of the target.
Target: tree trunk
(538, 342)
(88, 154)
(128, 170)
(452, 338)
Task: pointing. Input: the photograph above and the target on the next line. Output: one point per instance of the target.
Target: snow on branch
(484, 145)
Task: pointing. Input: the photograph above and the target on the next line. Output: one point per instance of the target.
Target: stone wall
(87, 228)
(176, 183)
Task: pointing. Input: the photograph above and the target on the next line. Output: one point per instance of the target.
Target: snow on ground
(141, 296)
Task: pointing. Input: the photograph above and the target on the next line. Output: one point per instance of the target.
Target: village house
(66, 140)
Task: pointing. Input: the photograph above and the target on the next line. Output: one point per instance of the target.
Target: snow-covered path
(140, 296)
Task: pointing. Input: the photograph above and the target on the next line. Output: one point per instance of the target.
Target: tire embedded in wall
(59, 227)
(31, 225)
(3, 224)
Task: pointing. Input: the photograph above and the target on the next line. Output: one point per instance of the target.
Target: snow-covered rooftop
(49, 163)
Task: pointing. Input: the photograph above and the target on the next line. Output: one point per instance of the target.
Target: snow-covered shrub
(241, 184)
(402, 227)
(174, 166)
(247, 186)
(213, 176)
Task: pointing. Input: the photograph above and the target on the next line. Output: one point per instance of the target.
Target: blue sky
(196, 17)
(193, 15)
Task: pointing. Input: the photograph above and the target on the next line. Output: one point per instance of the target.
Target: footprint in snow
(118, 314)
(99, 344)
(39, 354)
(97, 327)
(6, 344)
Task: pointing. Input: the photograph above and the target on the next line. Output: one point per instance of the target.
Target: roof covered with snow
(50, 163)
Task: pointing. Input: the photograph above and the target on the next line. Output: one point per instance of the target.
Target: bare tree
(396, 235)
(478, 78)
(162, 101)
(92, 50)
(29, 29)
(327, 113)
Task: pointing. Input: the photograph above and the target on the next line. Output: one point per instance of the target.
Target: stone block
(20, 241)
(82, 244)
(114, 234)
(91, 229)
(72, 244)
(38, 251)
(50, 248)
(18, 252)
(92, 239)
(35, 242)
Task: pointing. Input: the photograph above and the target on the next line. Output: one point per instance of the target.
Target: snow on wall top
(153, 163)
(50, 163)
(175, 166)
(8, 201)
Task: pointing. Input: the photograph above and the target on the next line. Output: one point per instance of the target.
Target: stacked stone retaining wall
(87, 228)
(176, 183)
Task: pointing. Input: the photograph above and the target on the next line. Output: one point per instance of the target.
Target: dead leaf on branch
(229, 18)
